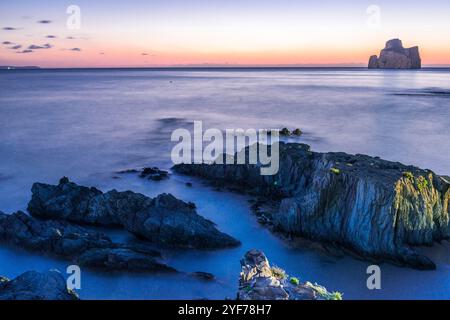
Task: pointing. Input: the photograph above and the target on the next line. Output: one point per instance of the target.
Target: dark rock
(394, 56)
(371, 208)
(33, 285)
(164, 220)
(259, 281)
(203, 275)
(128, 171)
(121, 259)
(285, 132)
(154, 174)
(79, 245)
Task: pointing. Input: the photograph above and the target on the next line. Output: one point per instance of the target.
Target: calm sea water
(87, 124)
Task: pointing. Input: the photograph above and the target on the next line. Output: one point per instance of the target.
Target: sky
(152, 33)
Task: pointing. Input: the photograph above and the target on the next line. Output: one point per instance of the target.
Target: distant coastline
(19, 68)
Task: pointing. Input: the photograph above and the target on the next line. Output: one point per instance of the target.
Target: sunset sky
(138, 33)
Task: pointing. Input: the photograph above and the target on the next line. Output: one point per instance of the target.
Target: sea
(88, 124)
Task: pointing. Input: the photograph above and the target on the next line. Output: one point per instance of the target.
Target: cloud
(44, 21)
(9, 28)
(7, 43)
(16, 47)
(36, 47)
(51, 37)
(144, 54)
(71, 38)
(75, 49)
(25, 51)
(102, 53)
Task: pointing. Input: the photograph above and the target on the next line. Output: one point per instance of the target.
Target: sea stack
(395, 56)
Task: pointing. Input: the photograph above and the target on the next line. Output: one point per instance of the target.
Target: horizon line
(212, 66)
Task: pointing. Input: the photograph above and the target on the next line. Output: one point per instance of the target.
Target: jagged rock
(375, 208)
(33, 285)
(164, 220)
(259, 281)
(83, 247)
(394, 56)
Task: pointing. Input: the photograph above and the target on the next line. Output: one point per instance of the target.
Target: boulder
(395, 56)
(259, 281)
(33, 285)
(164, 220)
(371, 207)
(79, 245)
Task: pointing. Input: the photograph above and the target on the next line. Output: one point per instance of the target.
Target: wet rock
(154, 174)
(374, 208)
(164, 220)
(394, 56)
(77, 244)
(33, 285)
(259, 281)
(122, 259)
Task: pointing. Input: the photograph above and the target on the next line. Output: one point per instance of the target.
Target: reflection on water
(88, 124)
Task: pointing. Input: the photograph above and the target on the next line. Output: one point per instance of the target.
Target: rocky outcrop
(150, 173)
(374, 208)
(33, 285)
(259, 281)
(154, 173)
(81, 246)
(163, 220)
(394, 56)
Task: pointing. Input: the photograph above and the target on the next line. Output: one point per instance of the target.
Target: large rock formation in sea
(259, 281)
(33, 285)
(374, 208)
(394, 56)
(79, 245)
(163, 220)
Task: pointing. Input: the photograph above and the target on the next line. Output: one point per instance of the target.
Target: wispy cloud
(144, 54)
(45, 21)
(36, 47)
(71, 38)
(16, 47)
(75, 49)
(51, 37)
(7, 43)
(25, 51)
(9, 28)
